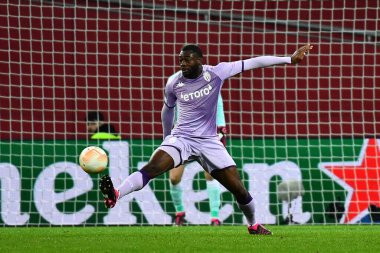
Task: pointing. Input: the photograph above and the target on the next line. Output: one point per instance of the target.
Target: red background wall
(58, 62)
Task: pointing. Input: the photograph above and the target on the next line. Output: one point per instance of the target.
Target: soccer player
(195, 89)
(213, 187)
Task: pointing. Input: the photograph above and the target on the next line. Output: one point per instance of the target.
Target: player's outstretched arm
(300, 53)
(229, 69)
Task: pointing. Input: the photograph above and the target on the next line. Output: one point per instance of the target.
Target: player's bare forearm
(300, 53)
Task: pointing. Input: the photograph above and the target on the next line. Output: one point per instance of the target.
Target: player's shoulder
(207, 67)
(217, 69)
(219, 65)
(174, 78)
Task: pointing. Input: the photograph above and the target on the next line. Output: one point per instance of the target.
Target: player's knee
(175, 180)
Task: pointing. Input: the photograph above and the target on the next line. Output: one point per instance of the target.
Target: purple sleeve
(227, 69)
(167, 113)
(167, 117)
(264, 61)
(170, 98)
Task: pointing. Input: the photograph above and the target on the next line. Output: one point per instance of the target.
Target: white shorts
(210, 152)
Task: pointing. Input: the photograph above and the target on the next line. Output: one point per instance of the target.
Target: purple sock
(247, 207)
(145, 177)
(245, 200)
(248, 211)
(134, 182)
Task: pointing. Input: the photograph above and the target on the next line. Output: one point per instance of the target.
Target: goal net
(304, 137)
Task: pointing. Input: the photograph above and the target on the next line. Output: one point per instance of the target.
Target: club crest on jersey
(207, 76)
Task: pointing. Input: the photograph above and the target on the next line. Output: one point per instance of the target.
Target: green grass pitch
(351, 238)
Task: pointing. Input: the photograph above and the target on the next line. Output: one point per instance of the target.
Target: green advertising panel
(314, 181)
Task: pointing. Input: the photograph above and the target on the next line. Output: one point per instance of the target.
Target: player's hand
(222, 132)
(300, 53)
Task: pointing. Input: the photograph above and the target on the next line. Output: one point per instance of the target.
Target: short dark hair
(94, 116)
(193, 48)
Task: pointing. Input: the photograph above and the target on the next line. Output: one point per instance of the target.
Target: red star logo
(360, 178)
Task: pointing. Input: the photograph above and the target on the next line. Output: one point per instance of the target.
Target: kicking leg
(159, 163)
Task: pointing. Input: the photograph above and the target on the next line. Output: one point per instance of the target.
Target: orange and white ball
(93, 160)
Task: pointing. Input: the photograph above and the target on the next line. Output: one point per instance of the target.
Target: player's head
(94, 121)
(190, 60)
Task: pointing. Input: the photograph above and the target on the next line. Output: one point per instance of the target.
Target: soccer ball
(93, 160)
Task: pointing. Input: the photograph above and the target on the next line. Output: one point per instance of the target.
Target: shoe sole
(106, 187)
